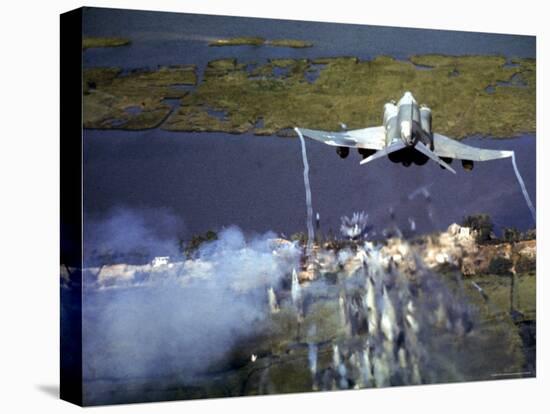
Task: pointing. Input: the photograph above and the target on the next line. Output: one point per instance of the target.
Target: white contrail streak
(523, 189)
(310, 234)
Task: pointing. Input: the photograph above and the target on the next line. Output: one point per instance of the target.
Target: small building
(160, 261)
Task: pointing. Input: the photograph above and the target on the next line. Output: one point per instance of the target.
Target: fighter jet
(406, 137)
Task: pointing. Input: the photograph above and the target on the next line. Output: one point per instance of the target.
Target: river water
(214, 180)
(175, 38)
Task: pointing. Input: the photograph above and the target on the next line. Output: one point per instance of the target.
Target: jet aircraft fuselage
(405, 137)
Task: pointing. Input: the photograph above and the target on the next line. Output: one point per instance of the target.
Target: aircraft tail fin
(386, 151)
(426, 151)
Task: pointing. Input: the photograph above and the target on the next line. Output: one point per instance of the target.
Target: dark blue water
(211, 180)
(175, 38)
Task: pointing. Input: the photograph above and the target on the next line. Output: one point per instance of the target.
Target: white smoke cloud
(130, 234)
(354, 226)
(178, 322)
(183, 318)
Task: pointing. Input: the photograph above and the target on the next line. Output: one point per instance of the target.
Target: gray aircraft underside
(406, 136)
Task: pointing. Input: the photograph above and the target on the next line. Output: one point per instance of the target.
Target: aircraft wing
(370, 138)
(449, 148)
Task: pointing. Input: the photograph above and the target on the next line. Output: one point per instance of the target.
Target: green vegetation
(260, 41)
(320, 94)
(526, 265)
(109, 94)
(530, 234)
(501, 291)
(297, 44)
(481, 224)
(89, 42)
(238, 41)
(500, 266)
(354, 92)
(197, 240)
(513, 235)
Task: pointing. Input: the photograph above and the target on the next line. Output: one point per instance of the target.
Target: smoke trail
(296, 291)
(523, 189)
(310, 234)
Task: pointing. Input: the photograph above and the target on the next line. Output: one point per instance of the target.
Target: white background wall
(29, 151)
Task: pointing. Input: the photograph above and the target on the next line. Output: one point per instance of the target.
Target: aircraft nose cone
(407, 98)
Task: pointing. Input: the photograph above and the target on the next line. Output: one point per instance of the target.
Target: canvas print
(275, 206)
